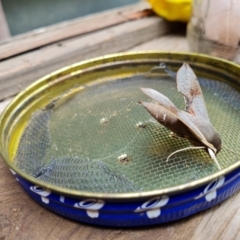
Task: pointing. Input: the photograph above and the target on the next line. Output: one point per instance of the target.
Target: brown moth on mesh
(193, 123)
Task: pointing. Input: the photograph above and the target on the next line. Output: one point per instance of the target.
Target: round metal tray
(80, 144)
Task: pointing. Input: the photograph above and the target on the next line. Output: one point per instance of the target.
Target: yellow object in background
(172, 10)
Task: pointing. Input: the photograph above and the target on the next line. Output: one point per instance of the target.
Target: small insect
(193, 123)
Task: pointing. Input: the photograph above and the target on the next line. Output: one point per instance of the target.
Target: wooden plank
(68, 29)
(174, 41)
(16, 73)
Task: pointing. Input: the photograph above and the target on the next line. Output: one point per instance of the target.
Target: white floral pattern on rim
(62, 199)
(153, 206)
(210, 191)
(14, 174)
(91, 206)
(43, 192)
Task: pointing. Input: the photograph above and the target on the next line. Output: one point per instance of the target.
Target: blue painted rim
(139, 212)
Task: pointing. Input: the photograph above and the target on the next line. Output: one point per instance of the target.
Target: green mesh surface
(102, 140)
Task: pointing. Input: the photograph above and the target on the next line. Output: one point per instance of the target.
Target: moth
(193, 123)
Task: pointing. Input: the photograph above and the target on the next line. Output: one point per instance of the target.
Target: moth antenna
(213, 157)
(229, 149)
(163, 66)
(160, 66)
(183, 149)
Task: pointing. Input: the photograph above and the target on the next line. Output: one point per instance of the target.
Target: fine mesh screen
(101, 140)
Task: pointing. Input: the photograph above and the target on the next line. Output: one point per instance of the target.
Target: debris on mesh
(85, 175)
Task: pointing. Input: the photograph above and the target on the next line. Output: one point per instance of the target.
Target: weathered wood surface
(22, 218)
(18, 72)
(169, 42)
(68, 29)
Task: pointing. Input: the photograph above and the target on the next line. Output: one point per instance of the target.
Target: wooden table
(27, 57)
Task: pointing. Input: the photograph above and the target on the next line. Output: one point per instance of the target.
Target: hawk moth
(193, 123)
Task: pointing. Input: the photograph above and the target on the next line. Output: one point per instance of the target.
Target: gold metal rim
(200, 59)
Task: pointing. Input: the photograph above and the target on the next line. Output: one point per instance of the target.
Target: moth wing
(160, 99)
(167, 118)
(188, 85)
(194, 129)
(166, 111)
